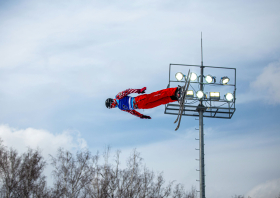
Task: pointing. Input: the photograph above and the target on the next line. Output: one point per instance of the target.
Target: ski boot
(179, 93)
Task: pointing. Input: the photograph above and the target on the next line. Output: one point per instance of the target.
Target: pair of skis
(182, 101)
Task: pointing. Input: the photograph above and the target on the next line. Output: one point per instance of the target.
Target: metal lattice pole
(201, 156)
(196, 108)
(201, 135)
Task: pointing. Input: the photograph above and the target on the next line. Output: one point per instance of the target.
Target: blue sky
(60, 60)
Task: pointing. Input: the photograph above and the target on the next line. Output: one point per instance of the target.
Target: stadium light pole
(202, 106)
(201, 134)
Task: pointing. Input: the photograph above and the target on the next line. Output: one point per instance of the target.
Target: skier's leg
(156, 103)
(148, 98)
(161, 94)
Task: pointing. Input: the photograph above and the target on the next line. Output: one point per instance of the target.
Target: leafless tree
(238, 196)
(82, 176)
(21, 175)
(10, 169)
(242, 196)
(72, 173)
(135, 181)
(33, 182)
(180, 192)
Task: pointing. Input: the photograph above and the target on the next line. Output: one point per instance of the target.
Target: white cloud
(48, 143)
(267, 189)
(267, 85)
(20, 139)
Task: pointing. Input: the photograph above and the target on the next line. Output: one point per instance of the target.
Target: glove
(145, 117)
(141, 90)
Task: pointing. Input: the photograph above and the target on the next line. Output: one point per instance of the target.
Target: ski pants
(161, 97)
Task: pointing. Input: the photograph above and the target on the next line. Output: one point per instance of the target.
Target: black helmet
(108, 102)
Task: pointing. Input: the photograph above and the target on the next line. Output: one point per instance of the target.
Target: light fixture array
(212, 95)
(209, 79)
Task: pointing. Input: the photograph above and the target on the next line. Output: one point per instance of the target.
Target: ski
(182, 102)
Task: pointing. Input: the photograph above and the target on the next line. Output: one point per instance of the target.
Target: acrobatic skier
(145, 101)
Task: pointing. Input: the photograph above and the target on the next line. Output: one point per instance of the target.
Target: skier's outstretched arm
(129, 91)
(136, 113)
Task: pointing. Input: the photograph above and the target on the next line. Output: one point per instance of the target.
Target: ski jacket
(127, 103)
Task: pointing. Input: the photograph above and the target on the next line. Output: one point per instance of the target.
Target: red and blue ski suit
(145, 101)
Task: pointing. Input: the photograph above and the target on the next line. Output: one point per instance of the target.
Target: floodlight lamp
(229, 97)
(208, 78)
(199, 94)
(215, 95)
(189, 94)
(225, 80)
(193, 76)
(179, 76)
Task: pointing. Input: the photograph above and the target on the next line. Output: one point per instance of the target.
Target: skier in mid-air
(145, 101)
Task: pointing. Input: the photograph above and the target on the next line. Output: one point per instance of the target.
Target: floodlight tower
(202, 105)
(201, 133)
